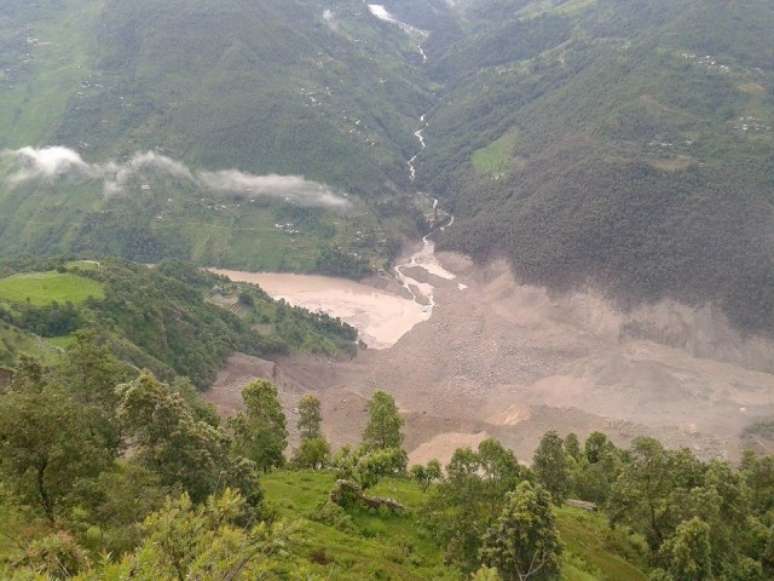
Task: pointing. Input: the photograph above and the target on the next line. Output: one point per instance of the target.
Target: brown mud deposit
(381, 316)
(512, 361)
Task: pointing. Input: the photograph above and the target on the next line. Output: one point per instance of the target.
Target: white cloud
(117, 175)
(51, 163)
(48, 162)
(330, 19)
(292, 189)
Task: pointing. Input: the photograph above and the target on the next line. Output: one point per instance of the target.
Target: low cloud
(292, 189)
(118, 175)
(330, 19)
(52, 163)
(48, 163)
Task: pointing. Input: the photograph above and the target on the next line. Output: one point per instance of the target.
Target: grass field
(372, 545)
(495, 159)
(398, 547)
(44, 288)
(379, 546)
(14, 341)
(590, 550)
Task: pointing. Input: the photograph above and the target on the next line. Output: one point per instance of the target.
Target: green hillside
(172, 319)
(269, 87)
(644, 148)
(624, 144)
(205, 498)
(264, 88)
(44, 288)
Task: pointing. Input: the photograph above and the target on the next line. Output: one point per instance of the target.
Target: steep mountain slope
(626, 144)
(274, 86)
(172, 319)
(301, 88)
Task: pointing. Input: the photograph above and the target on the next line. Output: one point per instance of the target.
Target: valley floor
(511, 361)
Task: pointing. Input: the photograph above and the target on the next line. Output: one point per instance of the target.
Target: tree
(595, 446)
(689, 554)
(384, 423)
(596, 468)
(499, 464)
(523, 543)
(205, 541)
(434, 471)
(260, 432)
(92, 373)
(466, 503)
(572, 446)
(375, 465)
(642, 497)
(550, 466)
(58, 556)
(758, 473)
(309, 417)
(48, 444)
(426, 475)
(183, 450)
(312, 453)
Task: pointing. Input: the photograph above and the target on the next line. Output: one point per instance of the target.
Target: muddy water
(382, 318)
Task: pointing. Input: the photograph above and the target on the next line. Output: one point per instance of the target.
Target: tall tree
(183, 450)
(758, 473)
(595, 446)
(572, 446)
(464, 504)
(260, 432)
(92, 372)
(523, 543)
(688, 553)
(309, 417)
(313, 453)
(550, 466)
(642, 497)
(48, 444)
(384, 423)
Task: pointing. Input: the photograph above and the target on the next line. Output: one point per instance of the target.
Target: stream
(380, 316)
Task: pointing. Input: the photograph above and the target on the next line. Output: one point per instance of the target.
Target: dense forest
(623, 145)
(108, 473)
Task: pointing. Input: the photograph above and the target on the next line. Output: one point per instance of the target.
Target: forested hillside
(626, 144)
(172, 319)
(108, 473)
(247, 91)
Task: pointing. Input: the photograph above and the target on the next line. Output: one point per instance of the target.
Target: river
(381, 317)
